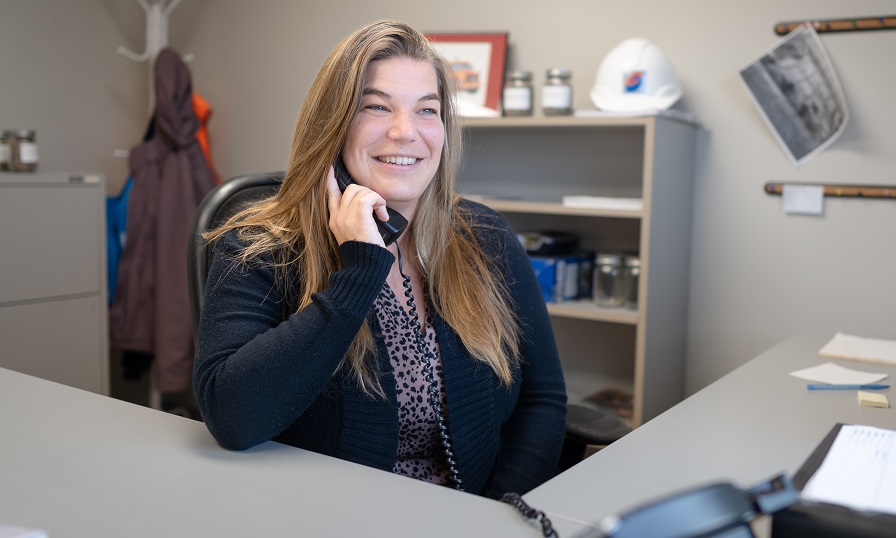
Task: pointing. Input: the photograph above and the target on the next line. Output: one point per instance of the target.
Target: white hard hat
(635, 75)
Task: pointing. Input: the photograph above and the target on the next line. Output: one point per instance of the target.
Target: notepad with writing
(846, 488)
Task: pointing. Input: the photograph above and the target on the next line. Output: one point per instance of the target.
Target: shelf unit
(523, 167)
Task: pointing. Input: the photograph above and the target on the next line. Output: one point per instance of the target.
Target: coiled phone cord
(547, 529)
(429, 375)
(513, 499)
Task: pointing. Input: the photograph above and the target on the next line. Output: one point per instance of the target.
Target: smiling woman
(395, 143)
(407, 356)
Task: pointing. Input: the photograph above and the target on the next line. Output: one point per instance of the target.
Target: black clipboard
(821, 520)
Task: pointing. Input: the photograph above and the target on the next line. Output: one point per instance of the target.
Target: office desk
(78, 464)
(748, 426)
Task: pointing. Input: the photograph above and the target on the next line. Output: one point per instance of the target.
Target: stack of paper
(844, 346)
(872, 399)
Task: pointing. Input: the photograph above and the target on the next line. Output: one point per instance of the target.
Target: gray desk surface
(78, 464)
(752, 424)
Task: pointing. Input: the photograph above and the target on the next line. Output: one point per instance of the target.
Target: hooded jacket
(151, 312)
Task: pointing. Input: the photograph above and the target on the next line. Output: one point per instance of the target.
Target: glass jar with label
(517, 98)
(609, 280)
(632, 276)
(4, 150)
(23, 151)
(556, 95)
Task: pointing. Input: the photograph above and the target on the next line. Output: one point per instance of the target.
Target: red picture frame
(473, 55)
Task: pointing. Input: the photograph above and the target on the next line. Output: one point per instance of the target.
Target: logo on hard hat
(633, 80)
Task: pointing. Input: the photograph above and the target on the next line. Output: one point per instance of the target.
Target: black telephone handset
(389, 230)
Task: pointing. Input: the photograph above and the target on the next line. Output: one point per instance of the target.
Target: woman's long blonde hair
(292, 226)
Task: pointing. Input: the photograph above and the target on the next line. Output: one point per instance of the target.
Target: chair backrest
(224, 201)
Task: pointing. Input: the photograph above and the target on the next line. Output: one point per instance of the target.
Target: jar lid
(608, 259)
(557, 72)
(520, 75)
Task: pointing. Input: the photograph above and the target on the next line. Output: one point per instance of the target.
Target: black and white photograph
(797, 92)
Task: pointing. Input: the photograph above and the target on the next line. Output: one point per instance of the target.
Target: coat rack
(841, 191)
(157, 13)
(841, 25)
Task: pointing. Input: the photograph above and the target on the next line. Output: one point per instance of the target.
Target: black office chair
(589, 427)
(223, 202)
(585, 425)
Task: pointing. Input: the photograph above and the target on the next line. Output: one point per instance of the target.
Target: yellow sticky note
(873, 399)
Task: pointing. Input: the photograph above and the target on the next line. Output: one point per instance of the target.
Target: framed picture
(478, 61)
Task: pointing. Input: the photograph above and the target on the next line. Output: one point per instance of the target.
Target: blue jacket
(116, 222)
(264, 372)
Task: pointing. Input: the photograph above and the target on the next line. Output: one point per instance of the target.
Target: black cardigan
(263, 372)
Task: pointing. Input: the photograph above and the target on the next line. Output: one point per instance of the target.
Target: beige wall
(757, 275)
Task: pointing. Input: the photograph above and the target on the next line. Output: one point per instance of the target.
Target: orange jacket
(203, 111)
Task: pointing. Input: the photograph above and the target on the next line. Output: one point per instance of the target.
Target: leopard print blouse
(420, 452)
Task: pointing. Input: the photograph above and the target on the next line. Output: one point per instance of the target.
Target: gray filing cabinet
(53, 313)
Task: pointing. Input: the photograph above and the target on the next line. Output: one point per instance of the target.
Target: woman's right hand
(352, 212)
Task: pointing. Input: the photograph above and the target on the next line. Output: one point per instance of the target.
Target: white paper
(671, 113)
(859, 471)
(845, 346)
(603, 202)
(836, 374)
(803, 199)
(15, 531)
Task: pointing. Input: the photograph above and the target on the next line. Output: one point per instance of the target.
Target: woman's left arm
(533, 436)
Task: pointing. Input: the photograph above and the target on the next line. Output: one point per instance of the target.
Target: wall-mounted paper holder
(844, 24)
(840, 191)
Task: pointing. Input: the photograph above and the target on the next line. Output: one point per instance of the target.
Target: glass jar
(517, 98)
(4, 150)
(632, 276)
(556, 95)
(609, 280)
(23, 151)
